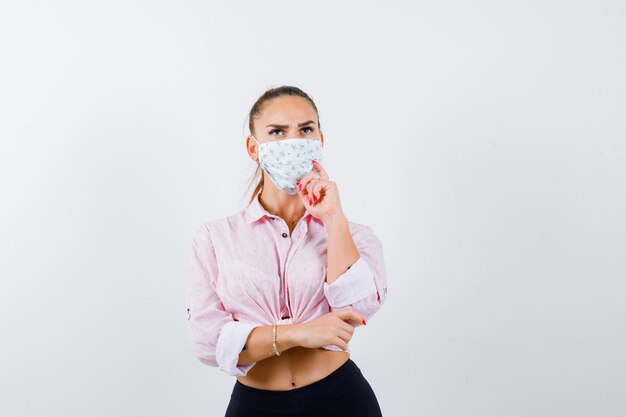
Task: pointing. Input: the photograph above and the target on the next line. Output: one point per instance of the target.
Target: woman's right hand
(329, 329)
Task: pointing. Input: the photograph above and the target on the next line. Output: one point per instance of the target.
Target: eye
(271, 132)
(311, 129)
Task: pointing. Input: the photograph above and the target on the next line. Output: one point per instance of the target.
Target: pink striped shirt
(246, 270)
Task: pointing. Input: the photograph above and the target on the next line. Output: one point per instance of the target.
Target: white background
(484, 142)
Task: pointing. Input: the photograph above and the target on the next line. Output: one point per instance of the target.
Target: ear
(250, 145)
(322, 137)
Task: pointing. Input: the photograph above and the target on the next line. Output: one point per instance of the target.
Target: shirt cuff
(230, 343)
(351, 286)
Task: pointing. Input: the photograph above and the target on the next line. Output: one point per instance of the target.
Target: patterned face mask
(286, 161)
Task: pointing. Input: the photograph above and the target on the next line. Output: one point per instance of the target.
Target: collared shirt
(247, 270)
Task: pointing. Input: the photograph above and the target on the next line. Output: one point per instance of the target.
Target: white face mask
(286, 161)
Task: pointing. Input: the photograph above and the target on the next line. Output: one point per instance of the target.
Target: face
(282, 118)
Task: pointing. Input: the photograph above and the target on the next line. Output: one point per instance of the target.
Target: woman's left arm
(355, 274)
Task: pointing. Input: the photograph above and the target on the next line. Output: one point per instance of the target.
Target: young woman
(276, 291)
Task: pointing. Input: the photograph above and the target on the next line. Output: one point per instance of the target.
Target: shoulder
(216, 227)
(360, 227)
(356, 227)
(362, 232)
(202, 234)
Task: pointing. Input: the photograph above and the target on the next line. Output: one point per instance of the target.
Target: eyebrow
(286, 126)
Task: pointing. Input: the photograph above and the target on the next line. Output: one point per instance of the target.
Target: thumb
(349, 313)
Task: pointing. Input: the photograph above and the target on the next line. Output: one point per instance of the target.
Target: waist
(295, 367)
(303, 397)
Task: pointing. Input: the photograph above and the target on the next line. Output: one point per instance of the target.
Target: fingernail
(314, 198)
(310, 202)
(363, 321)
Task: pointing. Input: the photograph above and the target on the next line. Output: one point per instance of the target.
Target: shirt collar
(255, 211)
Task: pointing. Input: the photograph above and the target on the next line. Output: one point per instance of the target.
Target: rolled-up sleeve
(364, 284)
(217, 338)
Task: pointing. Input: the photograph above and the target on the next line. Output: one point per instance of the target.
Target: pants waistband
(298, 399)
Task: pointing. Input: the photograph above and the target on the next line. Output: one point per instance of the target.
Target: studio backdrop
(484, 142)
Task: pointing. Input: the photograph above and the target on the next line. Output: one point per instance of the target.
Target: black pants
(343, 393)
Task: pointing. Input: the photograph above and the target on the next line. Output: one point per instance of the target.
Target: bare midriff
(294, 368)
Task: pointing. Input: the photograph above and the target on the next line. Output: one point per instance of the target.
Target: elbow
(363, 287)
(225, 342)
(205, 354)
(209, 356)
(207, 361)
(370, 305)
(232, 339)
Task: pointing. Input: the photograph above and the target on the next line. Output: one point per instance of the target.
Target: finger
(302, 191)
(316, 189)
(348, 313)
(344, 313)
(320, 169)
(344, 335)
(304, 181)
(306, 196)
(340, 343)
(309, 186)
(346, 326)
(312, 196)
(358, 317)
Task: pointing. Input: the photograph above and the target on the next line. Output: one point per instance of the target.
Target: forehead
(287, 110)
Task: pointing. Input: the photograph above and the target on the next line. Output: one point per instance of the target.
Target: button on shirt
(247, 270)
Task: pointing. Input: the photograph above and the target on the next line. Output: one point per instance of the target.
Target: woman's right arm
(259, 343)
(219, 340)
(329, 329)
(216, 337)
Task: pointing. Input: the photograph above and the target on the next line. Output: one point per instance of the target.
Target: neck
(286, 206)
